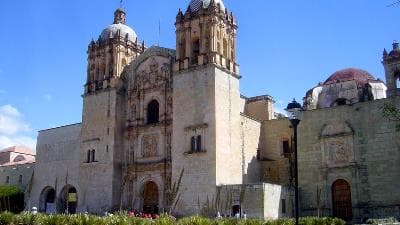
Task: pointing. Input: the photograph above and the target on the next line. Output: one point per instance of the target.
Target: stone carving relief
(149, 146)
(152, 73)
(338, 149)
(337, 145)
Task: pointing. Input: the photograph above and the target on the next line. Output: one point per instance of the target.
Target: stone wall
(194, 114)
(275, 164)
(102, 118)
(357, 144)
(250, 138)
(207, 103)
(262, 200)
(18, 175)
(57, 163)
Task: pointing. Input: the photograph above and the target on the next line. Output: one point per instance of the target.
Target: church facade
(167, 130)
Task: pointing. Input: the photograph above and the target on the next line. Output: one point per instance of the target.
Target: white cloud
(13, 128)
(6, 142)
(11, 121)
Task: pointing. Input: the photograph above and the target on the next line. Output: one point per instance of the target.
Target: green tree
(11, 199)
(392, 113)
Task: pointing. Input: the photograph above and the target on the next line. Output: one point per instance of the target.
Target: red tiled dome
(360, 76)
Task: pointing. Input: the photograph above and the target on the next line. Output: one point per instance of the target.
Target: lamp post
(294, 111)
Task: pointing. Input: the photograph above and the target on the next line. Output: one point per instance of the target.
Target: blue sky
(284, 48)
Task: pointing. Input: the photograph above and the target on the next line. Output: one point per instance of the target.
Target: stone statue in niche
(164, 75)
(144, 76)
(153, 71)
(149, 146)
(169, 104)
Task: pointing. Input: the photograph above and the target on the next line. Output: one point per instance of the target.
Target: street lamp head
(294, 110)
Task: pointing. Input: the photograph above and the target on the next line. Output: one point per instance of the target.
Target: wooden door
(150, 197)
(341, 200)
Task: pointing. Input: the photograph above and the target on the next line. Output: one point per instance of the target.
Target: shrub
(194, 220)
(6, 218)
(390, 220)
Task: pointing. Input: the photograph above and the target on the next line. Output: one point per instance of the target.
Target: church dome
(196, 5)
(360, 76)
(113, 30)
(119, 27)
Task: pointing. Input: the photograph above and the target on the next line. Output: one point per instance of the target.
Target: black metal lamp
(294, 111)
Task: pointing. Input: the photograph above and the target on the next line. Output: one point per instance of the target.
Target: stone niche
(337, 145)
(150, 146)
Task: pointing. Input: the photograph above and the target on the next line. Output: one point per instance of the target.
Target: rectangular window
(283, 206)
(198, 147)
(193, 144)
(286, 147)
(93, 156)
(7, 180)
(88, 156)
(20, 179)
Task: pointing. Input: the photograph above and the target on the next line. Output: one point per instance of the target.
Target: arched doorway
(68, 200)
(150, 198)
(341, 200)
(47, 200)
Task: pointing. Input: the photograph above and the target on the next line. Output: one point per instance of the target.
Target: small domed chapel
(167, 130)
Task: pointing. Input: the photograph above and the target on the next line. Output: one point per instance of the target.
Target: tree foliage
(392, 113)
(11, 199)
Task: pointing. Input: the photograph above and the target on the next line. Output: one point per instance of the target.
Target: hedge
(7, 218)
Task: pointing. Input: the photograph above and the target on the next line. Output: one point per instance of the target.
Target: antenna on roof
(120, 3)
(159, 31)
(394, 3)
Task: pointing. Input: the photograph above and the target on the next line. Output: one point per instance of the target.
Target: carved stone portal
(149, 146)
(337, 145)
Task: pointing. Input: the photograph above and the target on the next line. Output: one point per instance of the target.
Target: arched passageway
(68, 200)
(47, 200)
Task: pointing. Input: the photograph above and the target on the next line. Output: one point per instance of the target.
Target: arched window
(19, 158)
(153, 112)
(340, 101)
(397, 77)
(196, 50)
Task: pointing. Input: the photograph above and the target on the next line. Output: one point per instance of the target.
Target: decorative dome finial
(119, 16)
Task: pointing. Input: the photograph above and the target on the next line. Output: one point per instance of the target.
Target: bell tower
(206, 34)
(103, 114)
(206, 106)
(115, 48)
(391, 62)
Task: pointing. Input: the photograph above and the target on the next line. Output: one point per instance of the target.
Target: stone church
(167, 130)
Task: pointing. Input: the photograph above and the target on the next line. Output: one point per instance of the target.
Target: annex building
(168, 130)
